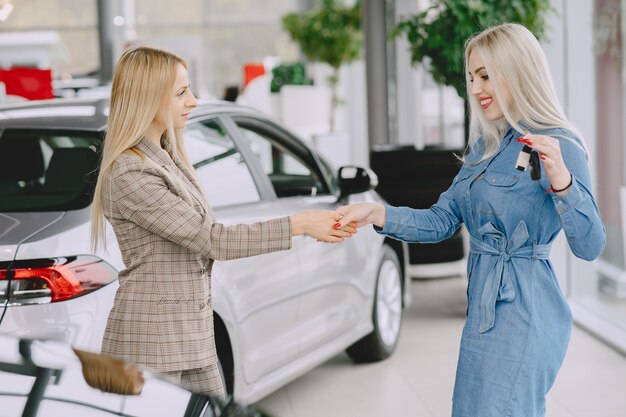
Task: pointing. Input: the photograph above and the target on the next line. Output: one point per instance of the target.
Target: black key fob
(535, 167)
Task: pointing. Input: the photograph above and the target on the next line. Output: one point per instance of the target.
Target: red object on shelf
(30, 83)
(251, 71)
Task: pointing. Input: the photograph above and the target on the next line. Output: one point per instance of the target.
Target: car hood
(15, 228)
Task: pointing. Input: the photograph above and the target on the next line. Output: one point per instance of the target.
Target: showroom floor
(418, 379)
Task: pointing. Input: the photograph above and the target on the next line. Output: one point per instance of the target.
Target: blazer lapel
(181, 166)
(154, 152)
(166, 158)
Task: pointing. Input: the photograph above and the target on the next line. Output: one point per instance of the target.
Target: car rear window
(47, 171)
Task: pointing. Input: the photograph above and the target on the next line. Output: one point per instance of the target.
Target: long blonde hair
(513, 57)
(142, 82)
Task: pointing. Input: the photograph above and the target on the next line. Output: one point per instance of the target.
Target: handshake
(336, 226)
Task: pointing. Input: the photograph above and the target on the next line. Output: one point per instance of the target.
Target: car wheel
(387, 313)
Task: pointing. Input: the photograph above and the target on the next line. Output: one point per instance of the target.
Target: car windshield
(47, 171)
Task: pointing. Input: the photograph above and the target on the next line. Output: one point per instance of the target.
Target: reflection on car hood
(17, 227)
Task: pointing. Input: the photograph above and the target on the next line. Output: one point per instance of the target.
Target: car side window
(289, 174)
(330, 174)
(47, 171)
(219, 166)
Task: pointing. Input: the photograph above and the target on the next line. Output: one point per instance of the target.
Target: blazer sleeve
(577, 209)
(143, 196)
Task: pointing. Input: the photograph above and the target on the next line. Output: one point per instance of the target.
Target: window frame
(256, 178)
(283, 138)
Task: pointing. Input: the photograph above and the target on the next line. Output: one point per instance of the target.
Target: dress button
(203, 270)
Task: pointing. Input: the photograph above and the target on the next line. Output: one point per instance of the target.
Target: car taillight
(38, 281)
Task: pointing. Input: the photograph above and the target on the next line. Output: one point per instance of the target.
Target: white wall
(569, 48)
(408, 87)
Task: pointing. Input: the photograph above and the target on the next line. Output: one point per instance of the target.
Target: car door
(331, 302)
(256, 297)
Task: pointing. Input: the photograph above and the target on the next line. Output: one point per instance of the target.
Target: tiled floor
(417, 380)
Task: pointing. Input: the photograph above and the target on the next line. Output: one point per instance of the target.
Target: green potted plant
(438, 34)
(330, 34)
(288, 74)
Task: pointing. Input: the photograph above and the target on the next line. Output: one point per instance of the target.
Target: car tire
(386, 314)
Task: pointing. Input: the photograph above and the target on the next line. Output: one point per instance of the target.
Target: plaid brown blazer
(162, 316)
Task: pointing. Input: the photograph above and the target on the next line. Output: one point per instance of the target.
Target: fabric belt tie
(500, 287)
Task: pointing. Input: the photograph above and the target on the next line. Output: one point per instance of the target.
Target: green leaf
(439, 33)
(330, 34)
(288, 74)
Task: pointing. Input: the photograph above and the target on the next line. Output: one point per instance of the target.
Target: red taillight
(56, 279)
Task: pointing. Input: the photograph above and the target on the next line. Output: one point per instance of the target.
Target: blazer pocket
(178, 318)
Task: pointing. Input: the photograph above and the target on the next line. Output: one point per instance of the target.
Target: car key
(535, 167)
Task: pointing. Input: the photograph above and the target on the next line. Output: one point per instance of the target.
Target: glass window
(330, 174)
(290, 174)
(214, 36)
(46, 171)
(220, 167)
(70, 27)
(599, 297)
(442, 114)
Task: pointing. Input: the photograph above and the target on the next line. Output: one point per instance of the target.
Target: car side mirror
(353, 180)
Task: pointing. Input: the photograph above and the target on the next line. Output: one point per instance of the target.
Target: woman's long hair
(143, 80)
(513, 58)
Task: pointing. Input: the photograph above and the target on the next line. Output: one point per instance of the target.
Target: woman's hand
(321, 225)
(549, 150)
(362, 214)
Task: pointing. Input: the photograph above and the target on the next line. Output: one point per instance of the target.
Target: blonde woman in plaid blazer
(162, 316)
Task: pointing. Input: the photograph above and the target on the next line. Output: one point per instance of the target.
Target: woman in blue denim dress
(518, 321)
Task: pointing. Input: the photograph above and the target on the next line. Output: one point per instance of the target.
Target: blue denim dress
(518, 322)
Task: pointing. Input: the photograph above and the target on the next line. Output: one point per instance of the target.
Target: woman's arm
(411, 225)
(143, 197)
(565, 161)
(243, 240)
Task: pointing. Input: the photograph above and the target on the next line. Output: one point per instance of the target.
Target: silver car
(276, 316)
